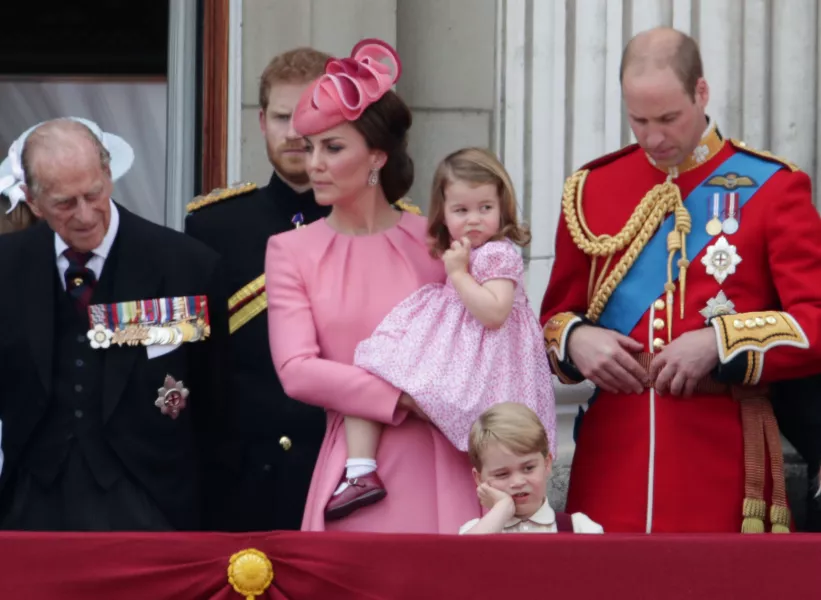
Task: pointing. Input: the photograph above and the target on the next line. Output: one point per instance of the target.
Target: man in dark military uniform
(275, 439)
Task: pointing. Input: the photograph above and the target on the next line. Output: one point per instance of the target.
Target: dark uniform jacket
(275, 439)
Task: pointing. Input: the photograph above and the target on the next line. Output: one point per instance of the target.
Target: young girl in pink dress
(460, 347)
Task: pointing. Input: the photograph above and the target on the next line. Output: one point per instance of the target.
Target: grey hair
(51, 135)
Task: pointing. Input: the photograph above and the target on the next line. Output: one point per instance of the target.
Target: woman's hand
(409, 404)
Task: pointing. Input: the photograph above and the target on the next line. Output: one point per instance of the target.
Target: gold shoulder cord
(642, 224)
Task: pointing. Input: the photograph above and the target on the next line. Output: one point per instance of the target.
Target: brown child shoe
(361, 491)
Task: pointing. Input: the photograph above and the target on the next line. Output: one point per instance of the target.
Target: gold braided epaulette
(739, 145)
(408, 206)
(219, 194)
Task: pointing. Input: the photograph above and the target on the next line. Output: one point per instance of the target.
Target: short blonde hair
(511, 424)
(475, 166)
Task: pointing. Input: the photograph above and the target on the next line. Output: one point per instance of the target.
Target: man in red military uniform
(687, 278)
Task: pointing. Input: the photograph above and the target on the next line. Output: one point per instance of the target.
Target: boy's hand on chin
(490, 497)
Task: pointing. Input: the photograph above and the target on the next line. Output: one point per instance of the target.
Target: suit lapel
(39, 290)
(136, 277)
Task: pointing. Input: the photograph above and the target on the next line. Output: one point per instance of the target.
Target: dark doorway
(85, 38)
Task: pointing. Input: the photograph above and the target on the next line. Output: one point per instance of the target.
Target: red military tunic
(670, 464)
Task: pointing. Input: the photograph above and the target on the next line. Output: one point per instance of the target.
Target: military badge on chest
(721, 259)
(160, 321)
(171, 397)
(725, 207)
(717, 306)
(725, 214)
(160, 324)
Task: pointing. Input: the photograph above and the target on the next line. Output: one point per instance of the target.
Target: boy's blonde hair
(513, 425)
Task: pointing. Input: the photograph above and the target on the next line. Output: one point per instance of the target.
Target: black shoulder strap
(564, 522)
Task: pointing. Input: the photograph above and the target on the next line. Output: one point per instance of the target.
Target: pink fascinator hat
(348, 87)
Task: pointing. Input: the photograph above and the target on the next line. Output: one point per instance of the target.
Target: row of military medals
(186, 321)
(725, 214)
(721, 258)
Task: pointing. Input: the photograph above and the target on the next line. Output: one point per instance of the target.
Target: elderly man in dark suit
(110, 353)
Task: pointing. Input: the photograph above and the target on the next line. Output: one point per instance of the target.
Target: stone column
(448, 79)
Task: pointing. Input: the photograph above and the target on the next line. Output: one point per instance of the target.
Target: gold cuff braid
(555, 341)
(555, 333)
(756, 332)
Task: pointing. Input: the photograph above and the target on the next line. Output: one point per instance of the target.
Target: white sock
(356, 467)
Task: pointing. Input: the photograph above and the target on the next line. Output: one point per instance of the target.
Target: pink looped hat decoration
(348, 87)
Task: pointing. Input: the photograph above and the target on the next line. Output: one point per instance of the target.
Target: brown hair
(511, 424)
(476, 166)
(300, 65)
(384, 125)
(18, 219)
(674, 49)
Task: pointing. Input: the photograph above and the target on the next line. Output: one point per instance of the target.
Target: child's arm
(489, 302)
(501, 512)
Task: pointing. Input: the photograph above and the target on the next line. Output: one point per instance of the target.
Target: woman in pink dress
(329, 284)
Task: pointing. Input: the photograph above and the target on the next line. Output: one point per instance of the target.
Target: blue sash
(645, 280)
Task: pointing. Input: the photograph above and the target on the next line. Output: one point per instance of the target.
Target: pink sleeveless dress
(455, 368)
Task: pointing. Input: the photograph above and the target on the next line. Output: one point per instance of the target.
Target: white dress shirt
(542, 521)
(96, 262)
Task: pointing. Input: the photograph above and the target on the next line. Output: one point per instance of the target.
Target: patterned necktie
(80, 280)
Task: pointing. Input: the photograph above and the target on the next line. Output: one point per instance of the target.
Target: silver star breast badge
(721, 259)
(720, 305)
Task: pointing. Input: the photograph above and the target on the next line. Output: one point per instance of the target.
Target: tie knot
(75, 258)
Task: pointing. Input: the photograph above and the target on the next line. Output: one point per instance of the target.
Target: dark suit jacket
(167, 457)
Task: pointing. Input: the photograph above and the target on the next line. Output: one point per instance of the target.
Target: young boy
(511, 464)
